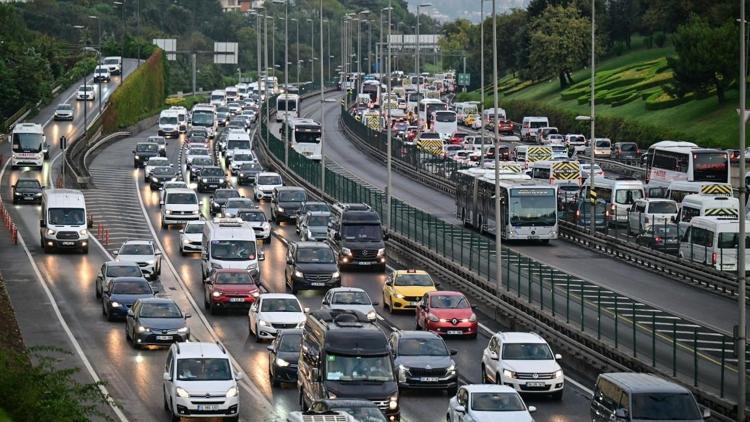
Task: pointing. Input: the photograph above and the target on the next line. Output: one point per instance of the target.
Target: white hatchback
(273, 312)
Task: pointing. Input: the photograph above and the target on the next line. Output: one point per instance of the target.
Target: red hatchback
(229, 288)
(458, 138)
(447, 313)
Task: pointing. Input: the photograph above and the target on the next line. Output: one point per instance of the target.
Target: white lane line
(79, 351)
(249, 388)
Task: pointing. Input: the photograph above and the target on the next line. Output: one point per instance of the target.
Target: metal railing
(624, 332)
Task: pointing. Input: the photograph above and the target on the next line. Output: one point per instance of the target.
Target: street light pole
(322, 110)
(122, 21)
(419, 77)
(498, 213)
(741, 278)
(258, 47)
(286, 80)
(592, 141)
(389, 131)
(481, 80)
(265, 85)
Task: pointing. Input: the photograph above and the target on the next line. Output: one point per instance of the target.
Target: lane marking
(79, 351)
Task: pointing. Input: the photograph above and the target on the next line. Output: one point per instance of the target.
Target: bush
(618, 48)
(141, 95)
(187, 102)
(660, 99)
(660, 39)
(649, 41)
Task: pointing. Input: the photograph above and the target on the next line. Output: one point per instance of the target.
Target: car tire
(98, 292)
(173, 416)
(85, 250)
(164, 399)
(274, 382)
(293, 288)
(385, 304)
(108, 314)
(163, 226)
(390, 306)
(418, 327)
(182, 252)
(233, 418)
(212, 309)
(15, 201)
(484, 376)
(257, 335)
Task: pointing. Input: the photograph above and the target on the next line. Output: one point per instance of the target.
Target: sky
(448, 10)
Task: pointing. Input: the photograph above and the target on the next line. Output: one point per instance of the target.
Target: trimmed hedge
(141, 95)
(187, 102)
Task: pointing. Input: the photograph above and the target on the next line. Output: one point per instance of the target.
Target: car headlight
(381, 251)
(346, 251)
(310, 235)
(216, 293)
(142, 329)
(50, 232)
(263, 323)
(18, 194)
(281, 362)
(508, 373)
(168, 212)
(232, 392)
(298, 274)
(215, 266)
(83, 232)
(558, 373)
(150, 262)
(256, 294)
(399, 295)
(433, 318)
(372, 315)
(451, 369)
(183, 330)
(393, 402)
(336, 275)
(181, 392)
(473, 318)
(265, 226)
(205, 180)
(38, 194)
(280, 209)
(115, 305)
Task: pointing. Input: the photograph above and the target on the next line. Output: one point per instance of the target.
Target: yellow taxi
(405, 288)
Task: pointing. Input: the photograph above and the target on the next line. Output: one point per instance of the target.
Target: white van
(182, 117)
(696, 205)
(218, 98)
(114, 64)
(530, 124)
(229, 243)
(64, 222)
(713, 241)
(232, 94)
(678, 190)
(239, 140)
(619, 193)
(169, 123)
(179, 206)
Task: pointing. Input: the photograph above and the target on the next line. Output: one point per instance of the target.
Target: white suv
(143, 253)
(180, 206)
(523, 361)
(265, 183)
(199, 381)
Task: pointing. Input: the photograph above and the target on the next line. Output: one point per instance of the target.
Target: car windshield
(316, 206)
(182, 198)
(111, 61)
(158, 162)
(233, 250)
(422, 347)
(86, 88)
(317, 220)
(603, 144)
(628, 196)
(193, 228)
(422, 280)
(239, 277)
(662, 207)
(157, 139)
(526, 351)
(198, 152)
(290, 343)
(449, 302)
(351, 298)
(497, 402)
(362, 232)
(238, 144)
(669, 230)
(212, 171)
(203, 161)
(269, 180)
(27, 184)
(629, 147)
(226, 193)
(315, 255)
(124, 271)
(250, 166)
(664, 407)
(242, 157)
(164, 171)
(240, 203)
(64, 107)
(252, 216)
(66, 217)
(172, 120)
(344, 369)
(160, 310)
(131, 287)
(136, 249)
(280, 305)
(222, 109)
(292, 196)
(204, 369)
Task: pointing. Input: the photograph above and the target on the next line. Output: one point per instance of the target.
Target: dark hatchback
(142, 152)
(283, 355)
(155, 321)
(663, 238)
(121, 293)
(211, 178)
(220, 197)
(286, 202)
(27, 190)
(159, 175)
(625, 151)
(247, 173)
(194, 168)
(423, 361)
(583, 214)
(311, 265)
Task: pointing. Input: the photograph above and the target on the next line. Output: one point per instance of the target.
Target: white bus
(429, 106)
(204, 115)
(373, 88)
(28, 145)
(619, 194)
(305, 137)
(445, 123)
(668, 164)
(287, 107)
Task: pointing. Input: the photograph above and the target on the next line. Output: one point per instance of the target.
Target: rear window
(662, 208)
(628, 147)
(664, 407)
(603, 144)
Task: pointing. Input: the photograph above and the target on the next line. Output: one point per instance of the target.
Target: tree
(706, 57)
(624, 18)
(558, 43)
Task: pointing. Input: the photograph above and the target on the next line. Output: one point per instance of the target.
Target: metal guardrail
(606, 329)
(618, 167)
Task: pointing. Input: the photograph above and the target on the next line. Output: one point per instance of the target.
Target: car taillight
(578, 213)
(658, 240)
(713, 258)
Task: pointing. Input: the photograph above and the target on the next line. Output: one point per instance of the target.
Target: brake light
(578, 213)
(658, 240)
(713, 258)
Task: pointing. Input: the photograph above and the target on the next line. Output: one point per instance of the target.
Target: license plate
(454, 332)
(237, 299)
(164, 337)
(429, 379)
(364, 263)
(533, 237)
(317, 284)
(535, 384)
(413, 303)
(68, 243)
(29, 196)
(213, 186)
(204, 407)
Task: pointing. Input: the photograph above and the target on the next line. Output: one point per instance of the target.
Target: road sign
(225, 53)
(63, 143)
(169, 45)
(464, 79)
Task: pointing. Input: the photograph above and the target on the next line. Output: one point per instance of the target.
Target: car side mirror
(239, 376)
(706, 413)
(166, 377)
(337, 236)
(133, 151)
(130, 313)
(188, 315)
(269, 348)
(389, 283)
(493, 356)
(115, 252)
(454, 352)
(532, 409)
(621, 413)
(558, 356)
(155, 290)
(375, 303)
(42, 224)
(261, 256)
(474, 307)
(290, 261)
(306, 310)
(182, 231)
(157, 253)
(460, 409)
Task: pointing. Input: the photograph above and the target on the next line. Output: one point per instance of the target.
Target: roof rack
(177, 346)
(221, 347)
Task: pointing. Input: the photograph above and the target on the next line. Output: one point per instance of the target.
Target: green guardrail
(695, 355)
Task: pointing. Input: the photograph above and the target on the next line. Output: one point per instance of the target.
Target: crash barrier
(614, 330)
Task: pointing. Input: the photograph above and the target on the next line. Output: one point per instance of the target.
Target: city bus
(444, 122)
(668, 164)
(28, 145)
(304, 137)
(528, 210)
(373, 88)
(429, 106)
(287, 107)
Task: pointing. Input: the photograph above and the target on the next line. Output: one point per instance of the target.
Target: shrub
(660, 39)
(187, 102)
(649, 41)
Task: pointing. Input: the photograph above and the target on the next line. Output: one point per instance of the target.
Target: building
(243, 6)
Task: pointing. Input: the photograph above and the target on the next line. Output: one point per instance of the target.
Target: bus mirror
(42, 224)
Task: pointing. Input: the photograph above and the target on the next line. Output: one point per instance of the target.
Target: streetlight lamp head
(425, 5)
(364, 12)
(583, 118)
(79, 27)
(93, 17)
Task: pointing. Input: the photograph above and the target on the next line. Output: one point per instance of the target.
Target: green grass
(702, 120)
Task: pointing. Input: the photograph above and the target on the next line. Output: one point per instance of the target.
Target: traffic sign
(169, 45)
(225, 53)
(464, 79)
(63, 143)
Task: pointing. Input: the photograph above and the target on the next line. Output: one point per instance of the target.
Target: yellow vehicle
(405, 288)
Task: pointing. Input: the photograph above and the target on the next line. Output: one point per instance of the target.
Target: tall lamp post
(122, 20)
(286, 79)
(741, 278)
(389, 135)
(258, 15)
(296, 55)
(419, 77)
(498, 214)
(481, 78)
(85, 85)
(359, 47)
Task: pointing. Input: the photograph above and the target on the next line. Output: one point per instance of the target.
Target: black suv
(159, 175)
(27, 190)
(211, 178)
(247, 172)
(286, 201)
(423, 361)
(311, 265)
(142, 152)
(219, 198)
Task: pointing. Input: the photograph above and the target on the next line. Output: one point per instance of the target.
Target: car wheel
(484, 375)
(164, 399)
(274, 382)
(302, 404)
(212, 309)
(173, 416)
(206, 303)
(257, 335)
(182, 252)
(108, 314)
(385, 304)
(85, 250)
(163, 225)
(98, 291)
(390, 304)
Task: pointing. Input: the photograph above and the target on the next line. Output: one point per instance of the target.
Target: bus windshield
(710, 167)
(27, 142)
(533, 207)
(344, 368)
(203, 118)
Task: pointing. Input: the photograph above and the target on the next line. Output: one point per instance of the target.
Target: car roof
(311, 244)
(635, 382)
(445, 293)
(520, 337)
(180, 190)
(157, 300)
(120, 264)
(268, 173)
(229, 270)
(402, 272)
(138, 242)
(199, 349)
(488, 388)
(417, 334)
(123, 279)
(346, 289)
(278, 296)
(289, 188)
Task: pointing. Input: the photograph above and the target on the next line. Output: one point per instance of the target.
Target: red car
(505, 127)
(229, 288)
(458, 138)
(447, 313)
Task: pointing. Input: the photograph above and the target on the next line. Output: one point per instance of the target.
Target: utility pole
(194, 58)
(592, 142)
(498, 213)
(481, 81)
(297, 47)
(265, 85)
(741, 336)
(322, 110)
(389, 135)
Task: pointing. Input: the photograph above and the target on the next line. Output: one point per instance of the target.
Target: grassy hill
(631, 102)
